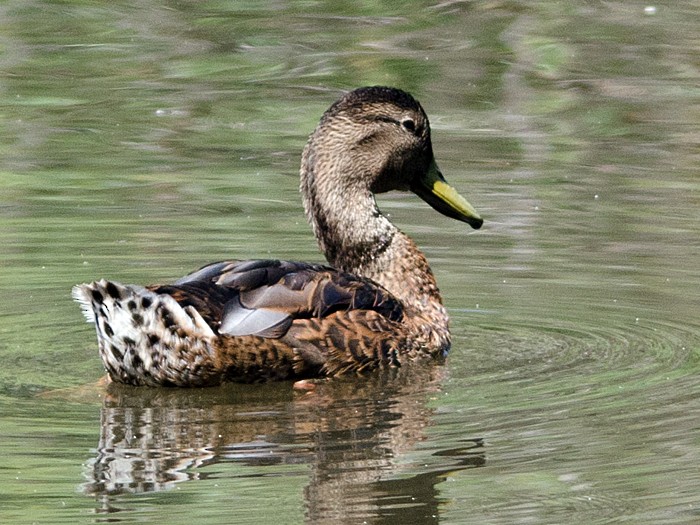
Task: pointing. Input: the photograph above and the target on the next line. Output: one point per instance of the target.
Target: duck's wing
(264, 297)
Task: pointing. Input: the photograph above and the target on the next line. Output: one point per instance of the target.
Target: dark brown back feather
(264, 297)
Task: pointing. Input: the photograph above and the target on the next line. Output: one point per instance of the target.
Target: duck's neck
(355, 237)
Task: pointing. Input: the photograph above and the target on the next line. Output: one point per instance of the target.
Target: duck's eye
(408, 125)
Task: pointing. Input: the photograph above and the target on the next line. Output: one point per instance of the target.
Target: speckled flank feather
(377, 306)
(147, 338)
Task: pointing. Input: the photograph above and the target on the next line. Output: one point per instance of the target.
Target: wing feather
(263, 322)
(265, 297)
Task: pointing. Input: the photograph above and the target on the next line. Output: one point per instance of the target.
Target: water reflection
(346, 436)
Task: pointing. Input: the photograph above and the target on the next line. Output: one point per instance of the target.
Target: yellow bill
(433, 189)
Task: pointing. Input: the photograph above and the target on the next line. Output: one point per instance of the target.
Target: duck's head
(377, 139)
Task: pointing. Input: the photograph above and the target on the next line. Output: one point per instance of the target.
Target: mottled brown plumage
(377, 306)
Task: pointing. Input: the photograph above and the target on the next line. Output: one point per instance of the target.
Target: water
(141, 141)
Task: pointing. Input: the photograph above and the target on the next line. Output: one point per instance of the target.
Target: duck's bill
(434, 190)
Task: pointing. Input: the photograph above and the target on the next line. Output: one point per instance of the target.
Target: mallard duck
(376, 306)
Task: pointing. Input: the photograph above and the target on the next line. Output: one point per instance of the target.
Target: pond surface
(140, 141)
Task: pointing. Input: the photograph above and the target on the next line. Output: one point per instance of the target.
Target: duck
(375, 306)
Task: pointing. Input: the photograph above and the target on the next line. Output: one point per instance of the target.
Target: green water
(139, 141)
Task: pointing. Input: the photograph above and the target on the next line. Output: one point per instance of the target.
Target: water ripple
(507, 350)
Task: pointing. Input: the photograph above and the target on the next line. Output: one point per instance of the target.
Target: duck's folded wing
(264, 297)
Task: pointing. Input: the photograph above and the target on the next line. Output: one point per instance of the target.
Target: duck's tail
(147, 338)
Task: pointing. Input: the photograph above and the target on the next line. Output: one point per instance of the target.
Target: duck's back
(243, 320)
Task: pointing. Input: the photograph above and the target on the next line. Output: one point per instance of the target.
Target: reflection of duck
(251, 320)
(351, 445)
